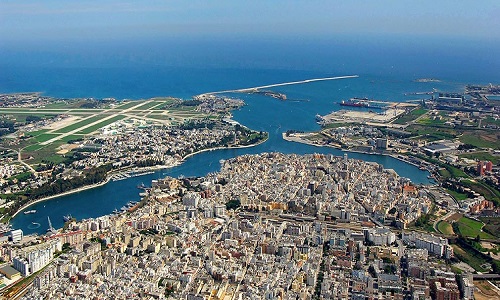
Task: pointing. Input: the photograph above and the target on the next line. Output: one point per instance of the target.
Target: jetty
(257, 88)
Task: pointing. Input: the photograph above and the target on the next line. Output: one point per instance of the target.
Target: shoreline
(223, 148)
(303, 141)
(110, 174)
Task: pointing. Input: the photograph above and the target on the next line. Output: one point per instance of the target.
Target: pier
(257, 88)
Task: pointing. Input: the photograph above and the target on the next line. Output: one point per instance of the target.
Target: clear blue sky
(68, 19)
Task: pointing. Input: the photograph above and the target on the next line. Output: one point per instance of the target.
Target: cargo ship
(355, 103)
(364, 103)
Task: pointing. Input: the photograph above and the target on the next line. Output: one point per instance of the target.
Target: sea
(387, 68)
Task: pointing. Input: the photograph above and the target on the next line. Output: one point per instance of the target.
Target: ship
(354, 102)
(30, 212)
(67, 218)
(364, 103)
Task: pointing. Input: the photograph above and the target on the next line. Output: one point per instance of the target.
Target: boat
(363, 102)
(141, 186)
(30, 212)
(354, 102)
(67, 218)
(116, 211)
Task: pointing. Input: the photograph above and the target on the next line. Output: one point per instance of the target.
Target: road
(19, 159)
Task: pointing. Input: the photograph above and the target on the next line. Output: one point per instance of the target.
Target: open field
(148, 105)
(100, 124)
(471, 259)
(445, 228)
(414, 114)
(77, 125)
(130, 104)
(492, 225)
(458, 196)
(482, 139)
(495, 159)
(72, 137)
(472, 228)
(481, 188)
(45, 137)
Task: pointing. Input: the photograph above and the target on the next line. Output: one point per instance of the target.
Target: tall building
(35, 258)
(382, 143)
(489, 166)
(484, 166)
(480, 168)
(17, 235)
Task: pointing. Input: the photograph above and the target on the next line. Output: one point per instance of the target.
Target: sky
(50, 20)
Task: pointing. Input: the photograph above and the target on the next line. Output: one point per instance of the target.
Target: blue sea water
(386, 68)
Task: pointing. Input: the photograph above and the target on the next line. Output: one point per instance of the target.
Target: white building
(17, 235)
(35, 258)
(379, 236)
(434, 244)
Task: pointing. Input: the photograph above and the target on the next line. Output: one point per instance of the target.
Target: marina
(129, 174)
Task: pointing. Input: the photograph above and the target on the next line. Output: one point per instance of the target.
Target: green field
(22, 117)
(149, 105)
(37, 132)
(31, 148)
(160, 117)
(432, 133)
(88, 110)
(492, 225)
(101, 124)
(79, 124)
(488, 192)
(63, 105)
(473, 260)
(458, 196)
(431, 122)
(481, 139)
(445, 228)
(72, 137)
(45, 137)
(472, 228)
(42, 153)
(449, 171)
(414, 114)
(482, 156)
(129, 104)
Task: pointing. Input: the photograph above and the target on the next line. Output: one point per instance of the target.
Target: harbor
(129, 174)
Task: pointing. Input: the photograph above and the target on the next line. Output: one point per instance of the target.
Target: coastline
(303, 141)
(110, 174)
(222, 148)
